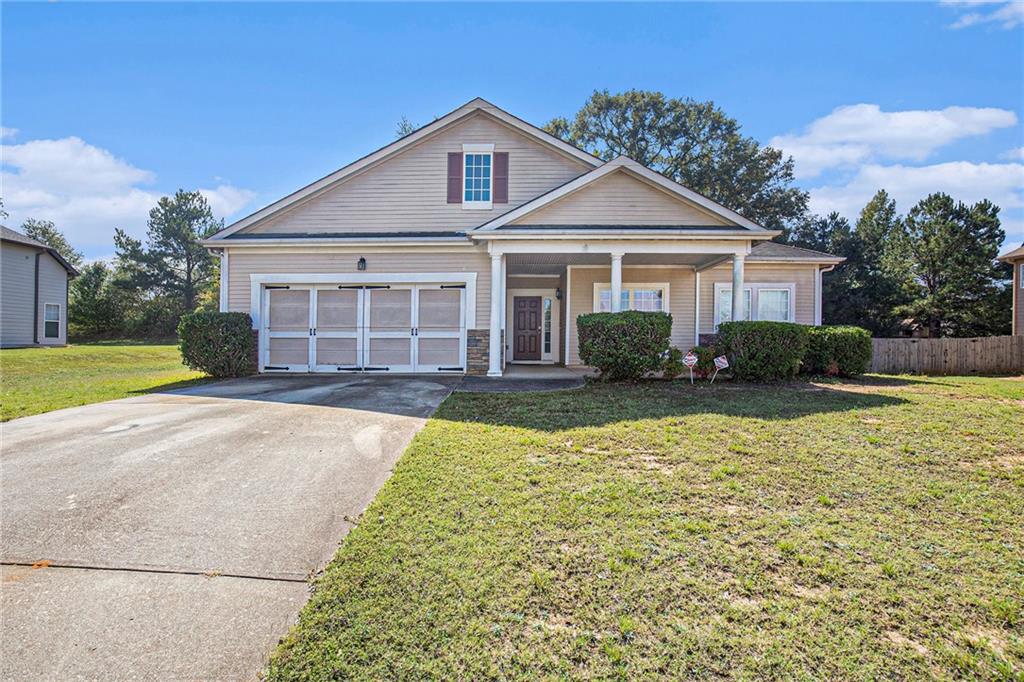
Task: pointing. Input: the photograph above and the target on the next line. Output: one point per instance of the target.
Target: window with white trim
(1020, 277)
(477, 175)
(773, 302)
(51, 320)
(651, 298)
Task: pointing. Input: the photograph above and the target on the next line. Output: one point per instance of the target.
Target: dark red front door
(526, 328)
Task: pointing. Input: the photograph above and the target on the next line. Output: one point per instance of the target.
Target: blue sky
(107, 106)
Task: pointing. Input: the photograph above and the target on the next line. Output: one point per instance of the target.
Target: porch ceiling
(554, 263)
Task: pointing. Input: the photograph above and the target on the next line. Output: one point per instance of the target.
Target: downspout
(819, 293)
(35, 302)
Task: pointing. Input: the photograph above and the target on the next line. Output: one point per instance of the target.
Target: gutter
(746, 235)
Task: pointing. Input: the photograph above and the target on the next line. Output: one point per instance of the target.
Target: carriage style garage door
(378, 328)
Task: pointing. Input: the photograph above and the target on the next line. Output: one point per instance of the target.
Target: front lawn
(858, 530)
(35, 380)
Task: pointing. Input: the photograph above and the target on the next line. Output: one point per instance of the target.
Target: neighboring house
(1016, 259)
(478, 239)
(33, 292)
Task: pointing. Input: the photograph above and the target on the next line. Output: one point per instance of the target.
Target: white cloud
(87, 191)
(1006, 15)
(1001, 183)
(7, 132)
(1014, 154)
(863, 133)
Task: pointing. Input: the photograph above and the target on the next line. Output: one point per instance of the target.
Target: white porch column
(224, 281)
(737, 286)
(497, 293)
(616, 282)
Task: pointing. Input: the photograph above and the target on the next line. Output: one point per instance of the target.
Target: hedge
(220, 344)
(625, 345)
(764, 351)
(838, 351)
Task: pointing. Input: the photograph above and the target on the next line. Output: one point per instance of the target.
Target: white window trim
(487, 149)
(59, 308)
(755, 288)
(1020, 275)
(629, 286)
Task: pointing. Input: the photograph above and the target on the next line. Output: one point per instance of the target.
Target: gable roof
(639, 171)
(9, 235)
(1013, 255)
(477, 105)
(769, 251)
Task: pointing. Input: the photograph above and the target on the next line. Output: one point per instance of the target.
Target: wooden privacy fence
(983, 355)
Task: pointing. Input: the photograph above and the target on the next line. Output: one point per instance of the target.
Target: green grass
(858, 530)
(36, 380)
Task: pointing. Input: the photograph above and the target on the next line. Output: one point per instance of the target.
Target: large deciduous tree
(46, 232)
(172, 264)
(693, 143)
(948, 250)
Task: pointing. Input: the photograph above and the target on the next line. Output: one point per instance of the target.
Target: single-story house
(1016, 259)
(33, 292)
(476, 241)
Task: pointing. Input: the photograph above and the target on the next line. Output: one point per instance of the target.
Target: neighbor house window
(772, 302)
(51, 321)
(547, 326)
(1020, 277)
(647, 297)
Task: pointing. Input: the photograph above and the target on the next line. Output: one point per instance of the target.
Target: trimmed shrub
(672, 365)
(843, 351)
(764, 351)
(705, 366)
(624, 345)
(220, 344)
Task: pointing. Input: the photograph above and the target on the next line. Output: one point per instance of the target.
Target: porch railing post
(737, 286)
(616, 282)
(494, 339)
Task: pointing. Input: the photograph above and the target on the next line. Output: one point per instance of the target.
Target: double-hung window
(774, 302)
(51, 321)
(652, 298)
(477, 175)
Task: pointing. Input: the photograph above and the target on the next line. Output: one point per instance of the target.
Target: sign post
(690, 360)
(721, 362)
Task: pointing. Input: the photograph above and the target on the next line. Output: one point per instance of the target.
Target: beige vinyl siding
(18, 293)
(680, 298)
(619, 199)
(408, 192)
(802, 276)
(245, 262)
(53, 288)
(528, 282)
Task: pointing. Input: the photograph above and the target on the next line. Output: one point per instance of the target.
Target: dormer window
(477, 176)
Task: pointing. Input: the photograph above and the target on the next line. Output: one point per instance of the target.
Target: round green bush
(624, 345)
(220, 344)
(843, 351)
(764, 351)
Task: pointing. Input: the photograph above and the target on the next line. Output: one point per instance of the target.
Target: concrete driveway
(173, 533)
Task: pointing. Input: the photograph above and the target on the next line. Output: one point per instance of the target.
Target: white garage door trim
(364, 337)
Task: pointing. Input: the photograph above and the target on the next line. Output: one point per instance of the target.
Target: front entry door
(526, 327)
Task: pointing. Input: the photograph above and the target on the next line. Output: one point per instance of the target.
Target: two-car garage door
(383, 328)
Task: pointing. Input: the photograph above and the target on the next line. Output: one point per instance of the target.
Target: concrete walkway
(172, 534)
(528, 378)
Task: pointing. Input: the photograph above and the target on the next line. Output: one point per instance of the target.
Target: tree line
(149, 284)
(933, 269)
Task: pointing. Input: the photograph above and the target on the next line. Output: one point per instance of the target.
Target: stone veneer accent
(477, 341)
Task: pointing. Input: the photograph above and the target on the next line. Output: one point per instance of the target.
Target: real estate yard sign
(721, 362)
(690, 360)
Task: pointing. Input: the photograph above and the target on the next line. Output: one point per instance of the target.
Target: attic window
(477, 175)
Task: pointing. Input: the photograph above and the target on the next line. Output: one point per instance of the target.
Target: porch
(539, 287)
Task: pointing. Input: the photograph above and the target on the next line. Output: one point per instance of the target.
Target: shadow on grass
(601, 404)
(173, 386)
